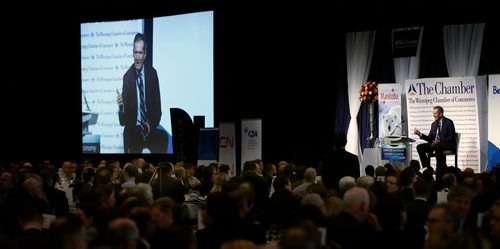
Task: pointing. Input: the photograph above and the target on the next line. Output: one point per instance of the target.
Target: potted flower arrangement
(369, 94)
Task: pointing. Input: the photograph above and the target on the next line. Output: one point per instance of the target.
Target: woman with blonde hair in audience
(219, 181)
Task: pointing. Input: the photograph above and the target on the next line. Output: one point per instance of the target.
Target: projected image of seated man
(140, 105)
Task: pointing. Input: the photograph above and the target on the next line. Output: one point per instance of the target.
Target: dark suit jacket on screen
(128, 117)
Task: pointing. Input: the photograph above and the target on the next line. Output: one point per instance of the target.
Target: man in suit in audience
(339, 163)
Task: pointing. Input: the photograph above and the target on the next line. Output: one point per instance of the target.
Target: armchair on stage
(90, 143)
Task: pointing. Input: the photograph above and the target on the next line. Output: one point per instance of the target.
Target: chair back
(457, 140)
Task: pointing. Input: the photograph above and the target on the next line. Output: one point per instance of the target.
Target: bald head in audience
(357, 203)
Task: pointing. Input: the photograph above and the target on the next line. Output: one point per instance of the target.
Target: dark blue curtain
(343, 117)
(342, 109)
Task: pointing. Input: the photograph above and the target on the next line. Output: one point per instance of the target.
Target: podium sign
(394, 153)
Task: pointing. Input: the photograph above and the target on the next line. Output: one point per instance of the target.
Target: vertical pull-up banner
(493, 120)
(208, 145)
(459, 98)
(389, 110)
(251, 140)
(227, 145)
(390, 121)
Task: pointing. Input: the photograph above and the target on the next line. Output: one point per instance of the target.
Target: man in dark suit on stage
(140, 105)
(339, 163)
(441, 137)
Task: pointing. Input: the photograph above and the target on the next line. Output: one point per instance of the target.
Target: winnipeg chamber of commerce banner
(459, 98)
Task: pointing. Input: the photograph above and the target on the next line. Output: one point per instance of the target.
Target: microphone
(398, 126)
(85, 99)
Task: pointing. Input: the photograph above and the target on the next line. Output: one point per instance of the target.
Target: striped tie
(142, 106)
(438, 133)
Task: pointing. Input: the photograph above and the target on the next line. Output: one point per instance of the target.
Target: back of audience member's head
(370, 170)
(88, 212)
(389, 212)
(312, 199)
(379, 189)
(380, 173)
(346, 183)
(103, 176)
(357, 202)
(232, 184)
(131, 171)
(318, 189)
(129, 203)
(333, 205)
(269, 169)
(422, 188)
(300, 172)
(249, 167)
(238, 244)
(302, 234)
(389, 166)
(101, 195)
(281, 183)
(287, 171)
(67, 232)
(122, 233)
(224, 168)
(222, 208)
(428, 174)
(313, 213)
(470, 240)
(449, 180)
(88, 174)
(365, 181)
(31, 211)
(166, 204)
(339, 139)
(142, 217)
(415, 164)
(310, 174)
(407, 177)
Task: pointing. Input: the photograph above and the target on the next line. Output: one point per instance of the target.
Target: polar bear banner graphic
(389, 109)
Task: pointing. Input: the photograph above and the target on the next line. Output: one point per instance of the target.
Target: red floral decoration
(368, 92)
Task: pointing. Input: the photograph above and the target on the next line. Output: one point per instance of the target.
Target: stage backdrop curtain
(359, 52)
(462, 47)
(407, 68)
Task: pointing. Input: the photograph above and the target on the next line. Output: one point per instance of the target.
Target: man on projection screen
(140, 105)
